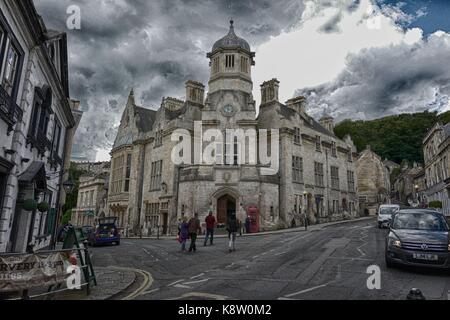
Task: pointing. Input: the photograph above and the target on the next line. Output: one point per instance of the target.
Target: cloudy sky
(359, 59)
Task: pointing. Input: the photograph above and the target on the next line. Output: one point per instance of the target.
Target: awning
(35, 172)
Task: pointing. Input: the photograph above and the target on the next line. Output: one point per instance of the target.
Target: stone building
(374, 184)
(436, 149)
(406, 185)
(36, 117)
(313, 174)
(92, 199)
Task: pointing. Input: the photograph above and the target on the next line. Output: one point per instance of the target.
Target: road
(323, 264)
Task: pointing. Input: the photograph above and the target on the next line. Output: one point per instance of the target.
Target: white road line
(174, 283)
(281, 253)
(255, 257)
(200, 275)
(149, 292)
(146, 251)
(196, 282)
(182, 286)
(305, 291)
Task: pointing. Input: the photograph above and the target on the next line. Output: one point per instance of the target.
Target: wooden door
(222, 208)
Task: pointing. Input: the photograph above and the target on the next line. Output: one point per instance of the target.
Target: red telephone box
(253, 213)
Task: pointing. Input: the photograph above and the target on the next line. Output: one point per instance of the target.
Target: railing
(41, 143)
(9, 110)
(53, 289)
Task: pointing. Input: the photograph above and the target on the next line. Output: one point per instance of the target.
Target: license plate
(425, 256)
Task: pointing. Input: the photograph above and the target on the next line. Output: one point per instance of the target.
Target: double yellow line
(146, 284)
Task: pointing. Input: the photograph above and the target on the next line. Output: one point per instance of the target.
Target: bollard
(415, 294)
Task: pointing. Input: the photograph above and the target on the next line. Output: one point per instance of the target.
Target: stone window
(272, 214)
(91, 198)
(351, 181)
(334, 150)
(350, 155)
(156, 175)
(117, 174)
(318, 173)
(297, 169)
(159, 137)
(318, 144)
(128, 173)
(229, 61)
(216, 65)
(152, 215)
(297, 136)
(244, 64)
(335, 178)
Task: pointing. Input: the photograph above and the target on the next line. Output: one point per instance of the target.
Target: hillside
(395, 137)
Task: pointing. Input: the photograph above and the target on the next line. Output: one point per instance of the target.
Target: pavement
(327, 262)
(282, 231)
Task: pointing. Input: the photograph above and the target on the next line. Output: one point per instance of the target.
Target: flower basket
(43, 207)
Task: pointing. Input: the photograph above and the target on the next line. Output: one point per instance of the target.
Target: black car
(418, 237)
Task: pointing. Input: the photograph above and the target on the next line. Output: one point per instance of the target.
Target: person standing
(184, 233)
(194, 229)
(247, 224)
(232, 228)
(210, 225)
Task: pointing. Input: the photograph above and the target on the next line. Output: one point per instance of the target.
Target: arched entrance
(226, 205)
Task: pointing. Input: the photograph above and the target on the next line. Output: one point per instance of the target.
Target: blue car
(105, 233)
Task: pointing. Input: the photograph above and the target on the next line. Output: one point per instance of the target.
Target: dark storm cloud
(390, 80)
(153, 46)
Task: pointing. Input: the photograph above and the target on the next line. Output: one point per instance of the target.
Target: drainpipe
(141, 188)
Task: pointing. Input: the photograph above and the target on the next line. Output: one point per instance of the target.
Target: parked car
(385, 213)
(106, 232)
(418, 237)
(87, 230)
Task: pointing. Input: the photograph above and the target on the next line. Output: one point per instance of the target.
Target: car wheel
(379, 225)
(118, 243)
(389, 263)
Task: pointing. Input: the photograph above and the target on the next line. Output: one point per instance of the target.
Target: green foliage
(435, 204)
(43, 207)
(66, 217)
(396, 138)
(71, 198)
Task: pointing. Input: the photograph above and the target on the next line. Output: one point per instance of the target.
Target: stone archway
(227, 201)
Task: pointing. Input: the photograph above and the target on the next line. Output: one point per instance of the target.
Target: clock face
(228, 110)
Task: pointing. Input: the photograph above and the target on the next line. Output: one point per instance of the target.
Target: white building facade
(34, 99)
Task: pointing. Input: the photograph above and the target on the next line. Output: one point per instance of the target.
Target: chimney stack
(328, 123)
(195, 92)
(298, 104)
(269, 91)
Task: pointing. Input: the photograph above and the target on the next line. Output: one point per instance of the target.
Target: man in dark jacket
(194, 229)
(232, 228)
(210, 225)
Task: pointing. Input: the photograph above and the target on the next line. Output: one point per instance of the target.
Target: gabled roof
(145, 120)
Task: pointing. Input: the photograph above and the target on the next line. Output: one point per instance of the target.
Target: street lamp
(68, 186)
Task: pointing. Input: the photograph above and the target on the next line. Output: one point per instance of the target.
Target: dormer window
(334, 150)
(318, 144)
(229, 61)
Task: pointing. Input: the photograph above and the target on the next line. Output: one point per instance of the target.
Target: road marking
(174, 283)
(200, 275)
(201, 295)
(306, 291)
(195, 282)
(182, 286)
(281, 253)
(146, 284)
(150, 292)
(146, 251)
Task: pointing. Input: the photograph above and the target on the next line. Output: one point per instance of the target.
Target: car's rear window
(420, 221)
(388, 210)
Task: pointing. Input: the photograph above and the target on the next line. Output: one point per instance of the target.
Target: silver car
(385, 213)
